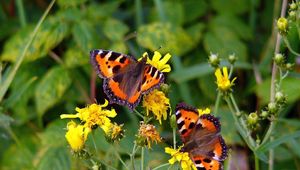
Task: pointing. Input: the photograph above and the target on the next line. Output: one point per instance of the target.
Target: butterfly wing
(186, 118)
(206, 163)
(109, 63)
(152, 79)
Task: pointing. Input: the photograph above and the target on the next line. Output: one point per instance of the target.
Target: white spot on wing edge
(100, 52)
(177, 112)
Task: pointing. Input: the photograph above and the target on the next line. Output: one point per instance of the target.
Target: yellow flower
(76, 135)
(205, 111)
(115, 132)
(147, 134)
(94, 115)
(223, 81)
(158, 61)
(157, 102)
(181, 157)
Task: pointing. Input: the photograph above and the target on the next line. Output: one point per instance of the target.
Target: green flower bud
(272, 107)
(282, 25)
(289, 66)
(214, 60)
(292, 15)
(280, 98)
(173, 122)
(279, 59)
(293, 6)
(264, 114)
(232, 58)
(252, 118)
(165, 88)
(258, 141)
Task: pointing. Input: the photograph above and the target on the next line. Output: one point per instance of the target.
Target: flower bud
(173, 122)
(279, 59)
(165, 88)
(232, 58)
(214, 60)
(252, 118)
(293, 6)
(280, 98)
(272, 108)
(289, 66)
(282, 25)
(292, 15)
(264, 114)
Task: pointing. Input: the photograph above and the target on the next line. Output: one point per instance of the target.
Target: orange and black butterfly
(201, 137)
(125, 79)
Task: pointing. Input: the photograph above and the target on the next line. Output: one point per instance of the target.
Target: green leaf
(290, 86)
(54, 158)
(199, 70)
(283, 139)
(171, 38)
(223, 41)
(97, 12)
(233, 23)
(194, 10)
(120, 47)
(115, 29)
(70, 3)
(5, 120)
(74, 57)
(196, 31)
(230, 6)
(173, 11)
(51, 88)
(85, 36)
(51, 33)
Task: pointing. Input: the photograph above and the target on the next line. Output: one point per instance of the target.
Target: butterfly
(201, 137)
(125, 79)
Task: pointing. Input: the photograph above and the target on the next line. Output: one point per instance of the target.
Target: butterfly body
(201, 138)
(125, 78)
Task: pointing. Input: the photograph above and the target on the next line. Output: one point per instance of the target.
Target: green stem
(142, 158)
(21, 12)
(160, 9)
(256, 162)
(269, 132)
(134, 149)
(138, 113)
(139, 13)
(160, 166)
(271, 157)
(288, 45)
(94, 143)
(20, 59)
(247, 138)
(217, 103)
(174, 138)
(230, 71)
(119, 157)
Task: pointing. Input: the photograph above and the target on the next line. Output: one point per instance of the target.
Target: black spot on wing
(180, 124)
(201, 168)
(192, 124)
(153, 72)
(178, 115)
(113, 56)
(144, 79)
(183, 131)
(116, 68)
(122, 60)
(207, 160)
(198, 161)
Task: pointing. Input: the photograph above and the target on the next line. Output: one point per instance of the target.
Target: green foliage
(55, 75)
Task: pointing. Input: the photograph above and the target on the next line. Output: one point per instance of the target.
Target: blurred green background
(56, 75)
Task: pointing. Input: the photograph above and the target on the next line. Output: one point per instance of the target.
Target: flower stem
(247, 138)
(256, 162)
(21, 13)
(138, 113)
(174, 138)
(142, 158)
(271, 157)
(119, 157)
(134, 149)
(160, 166)
(217, 103)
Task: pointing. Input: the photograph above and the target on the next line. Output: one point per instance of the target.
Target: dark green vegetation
(56, 76)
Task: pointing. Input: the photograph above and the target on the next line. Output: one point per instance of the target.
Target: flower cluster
(181, 157)
(147, 134)
(91, 116)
